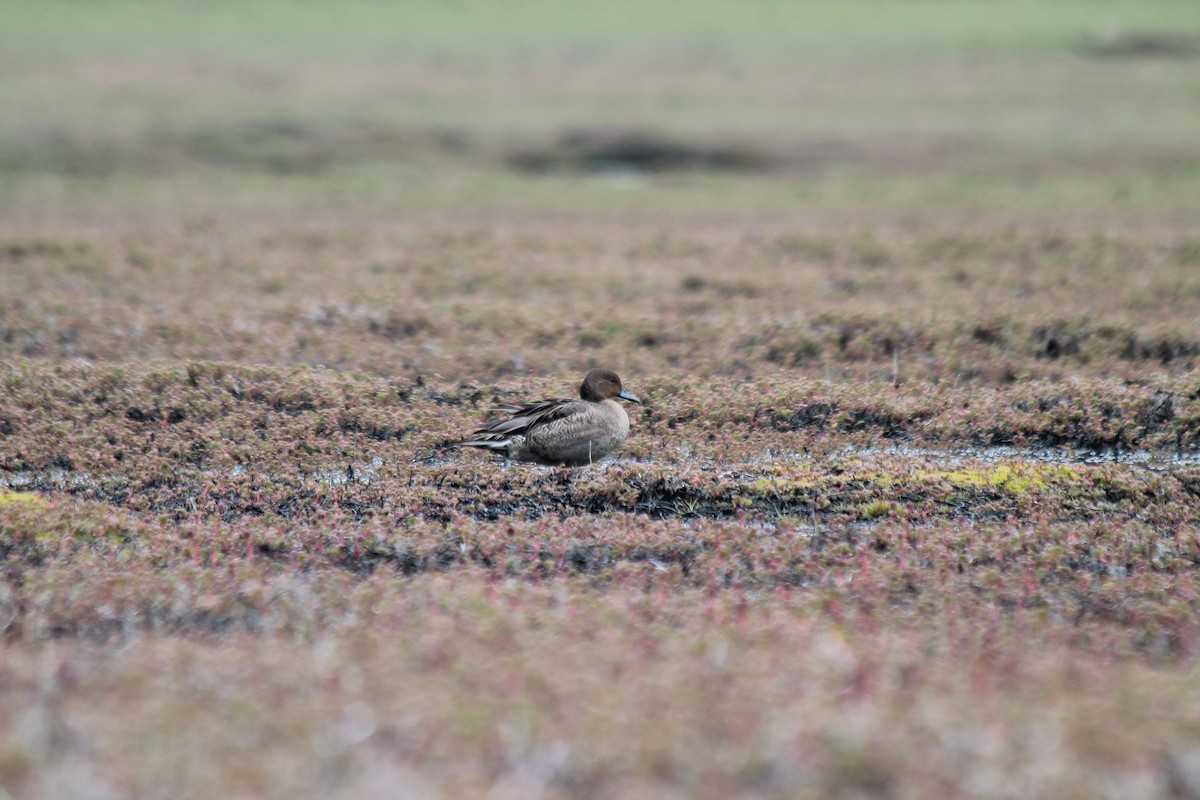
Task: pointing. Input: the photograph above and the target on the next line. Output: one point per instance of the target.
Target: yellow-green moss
(785, 483)
(1012, 477)
(9, 497)
(876, 509)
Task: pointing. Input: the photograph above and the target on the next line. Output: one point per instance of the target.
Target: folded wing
(498, 434)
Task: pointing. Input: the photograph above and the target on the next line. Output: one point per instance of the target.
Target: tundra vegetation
(910, 292)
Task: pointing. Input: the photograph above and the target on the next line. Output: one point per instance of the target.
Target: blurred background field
(985, 112)
(910, 289)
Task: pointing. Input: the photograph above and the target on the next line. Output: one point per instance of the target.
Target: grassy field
(910, 290)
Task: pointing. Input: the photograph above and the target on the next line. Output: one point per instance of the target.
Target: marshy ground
(910, 294)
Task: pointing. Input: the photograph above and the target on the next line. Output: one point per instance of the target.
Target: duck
(567, 431)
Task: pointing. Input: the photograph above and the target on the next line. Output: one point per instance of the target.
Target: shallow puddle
(55, 479)
(1146, 459)
(367, 473)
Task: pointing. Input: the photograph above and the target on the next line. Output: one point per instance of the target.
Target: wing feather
(523, 417)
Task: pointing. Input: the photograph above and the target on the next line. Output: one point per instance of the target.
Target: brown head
(601, 384)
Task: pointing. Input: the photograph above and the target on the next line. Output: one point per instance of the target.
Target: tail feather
(499, 445)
